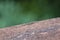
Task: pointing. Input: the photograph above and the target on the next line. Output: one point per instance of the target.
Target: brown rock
(39, 30)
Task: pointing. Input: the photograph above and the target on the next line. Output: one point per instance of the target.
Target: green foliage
(23, 11)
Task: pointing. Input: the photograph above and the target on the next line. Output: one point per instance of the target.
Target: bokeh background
(15, 12)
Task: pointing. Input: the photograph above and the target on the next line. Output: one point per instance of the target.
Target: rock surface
(40, 30)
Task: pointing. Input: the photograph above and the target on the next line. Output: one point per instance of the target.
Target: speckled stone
(39, 30)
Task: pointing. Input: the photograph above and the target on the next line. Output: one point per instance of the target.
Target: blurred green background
(23, 11)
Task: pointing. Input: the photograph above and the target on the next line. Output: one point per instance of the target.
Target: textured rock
(40, 30)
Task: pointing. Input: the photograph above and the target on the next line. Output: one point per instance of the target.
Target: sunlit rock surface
(40, 30)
